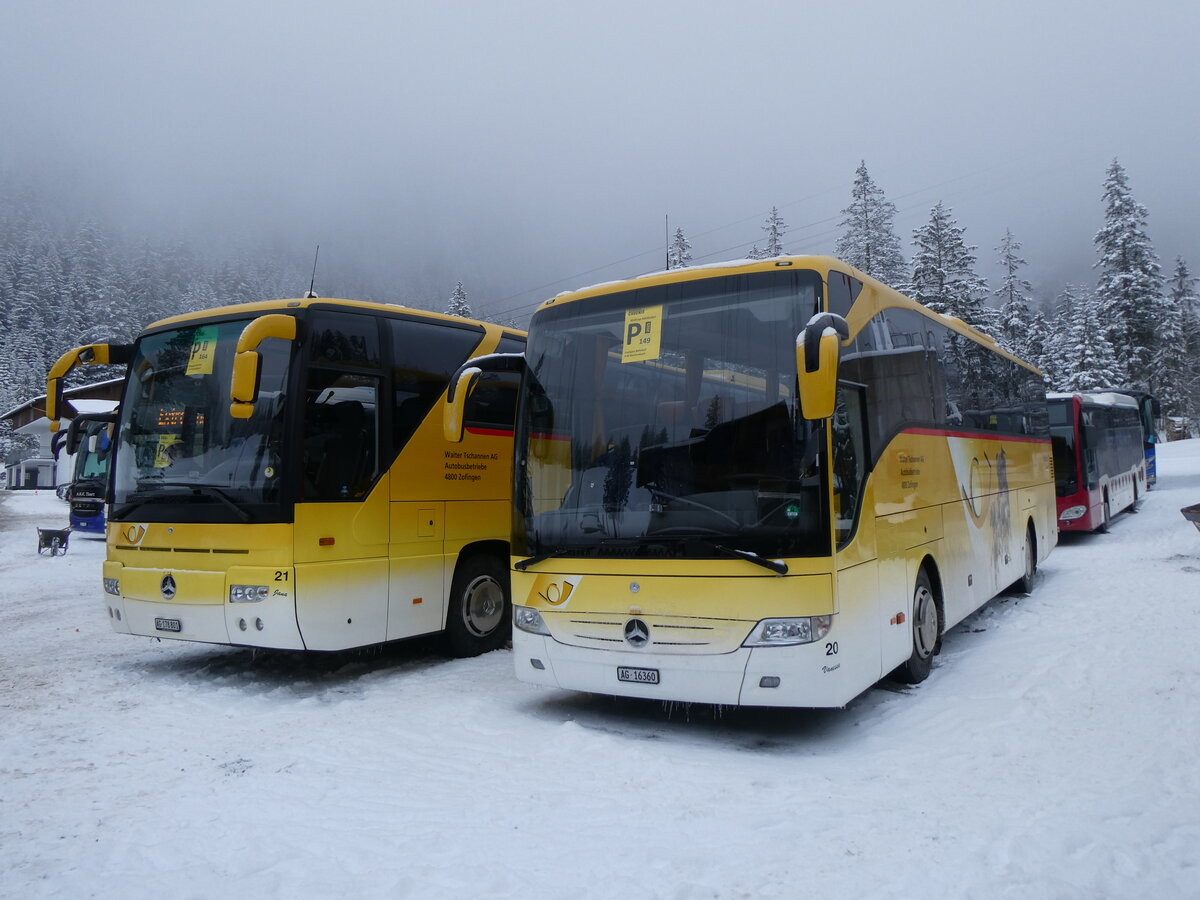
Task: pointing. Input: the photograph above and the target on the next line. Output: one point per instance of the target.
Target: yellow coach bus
(280, 478)
(764, 483)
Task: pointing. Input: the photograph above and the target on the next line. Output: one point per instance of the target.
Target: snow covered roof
(94, 406)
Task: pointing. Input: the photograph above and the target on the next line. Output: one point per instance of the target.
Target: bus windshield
(180, 455)
(91, 463)
(662, 422)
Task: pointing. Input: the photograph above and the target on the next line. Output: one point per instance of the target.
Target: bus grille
(668, 634)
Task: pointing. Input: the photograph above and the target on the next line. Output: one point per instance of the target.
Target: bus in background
(88, 491)
(765, 483)
(280, 479)
(1099, 465)
(1149, 412)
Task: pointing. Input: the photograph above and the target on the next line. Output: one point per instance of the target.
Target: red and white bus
(1099, 466)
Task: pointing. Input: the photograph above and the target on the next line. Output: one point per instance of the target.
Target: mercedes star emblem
(637, 633)
(168, 587)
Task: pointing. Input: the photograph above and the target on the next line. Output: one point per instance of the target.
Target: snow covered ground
(1052, 753)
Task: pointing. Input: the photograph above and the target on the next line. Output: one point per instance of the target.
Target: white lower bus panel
(800, 675)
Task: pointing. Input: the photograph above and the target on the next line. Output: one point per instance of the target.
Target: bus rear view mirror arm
(89, 355)
(243, 386)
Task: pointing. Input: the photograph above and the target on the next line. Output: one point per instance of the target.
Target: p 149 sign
(643, 330)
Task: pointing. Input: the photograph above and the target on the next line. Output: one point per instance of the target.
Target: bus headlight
(1071, 513)
(782, 632)
(112, 586)
(247, 593)
(529, 620)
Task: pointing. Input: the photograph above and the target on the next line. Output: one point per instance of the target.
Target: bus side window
(493, 403)
(849, 457)
(842, 289)
(423, 357)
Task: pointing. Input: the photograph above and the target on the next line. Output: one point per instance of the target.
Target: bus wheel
(1134, 507)
(480, 615)
(1025, 582)
(926, 628)
(1102, 528)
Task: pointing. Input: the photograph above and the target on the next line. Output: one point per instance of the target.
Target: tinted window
(493, 403)
(424, 356)
(344, 339)
(920, 373)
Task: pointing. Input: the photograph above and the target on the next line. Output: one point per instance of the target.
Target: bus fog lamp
(112, 586)
(1071, 513)
(247, 593)
(529, 620)
(782, 632)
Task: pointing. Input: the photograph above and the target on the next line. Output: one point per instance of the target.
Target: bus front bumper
(800, 675)
(208, 617)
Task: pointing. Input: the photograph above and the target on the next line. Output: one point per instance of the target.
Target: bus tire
(1102, 528)
(1025, 582)
(480, 612)
(926, 632)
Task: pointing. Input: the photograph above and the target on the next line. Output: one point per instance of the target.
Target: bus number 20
(831, 648)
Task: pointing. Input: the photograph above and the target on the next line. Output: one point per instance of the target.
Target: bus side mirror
(243, 385)
(818, 348)
(463, 382)
(461, 386)
(89, 355)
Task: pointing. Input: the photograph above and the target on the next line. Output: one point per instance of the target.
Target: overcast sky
(531, 147)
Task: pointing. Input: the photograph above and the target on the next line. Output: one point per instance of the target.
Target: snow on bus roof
(723, 264)
(1105, 398)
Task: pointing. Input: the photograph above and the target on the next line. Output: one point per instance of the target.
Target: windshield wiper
(522, 564)
(199, 490)
(779, 568)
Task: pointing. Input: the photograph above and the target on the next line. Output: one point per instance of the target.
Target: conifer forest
(66, 281)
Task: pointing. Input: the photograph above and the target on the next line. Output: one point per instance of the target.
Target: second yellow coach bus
(767, 483)
(280, 478)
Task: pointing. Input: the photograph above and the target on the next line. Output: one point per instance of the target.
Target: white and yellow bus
(280, 478)
(765, 483)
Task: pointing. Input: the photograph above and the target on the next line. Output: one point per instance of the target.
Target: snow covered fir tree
(775, 229)
(1014, 320)
(679, 253)
(458, 305)
(1130, 288)
(869, 241)
(943, 271)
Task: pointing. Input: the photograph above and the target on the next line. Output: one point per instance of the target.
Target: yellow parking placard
(204, 348)
(643, 327)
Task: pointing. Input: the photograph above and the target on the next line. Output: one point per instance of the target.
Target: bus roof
(884, 296)
(267, 306)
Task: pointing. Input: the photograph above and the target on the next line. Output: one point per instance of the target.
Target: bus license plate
(168, 625)
(637, 676)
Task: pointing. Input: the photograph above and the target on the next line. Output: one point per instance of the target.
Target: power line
(810, 239)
